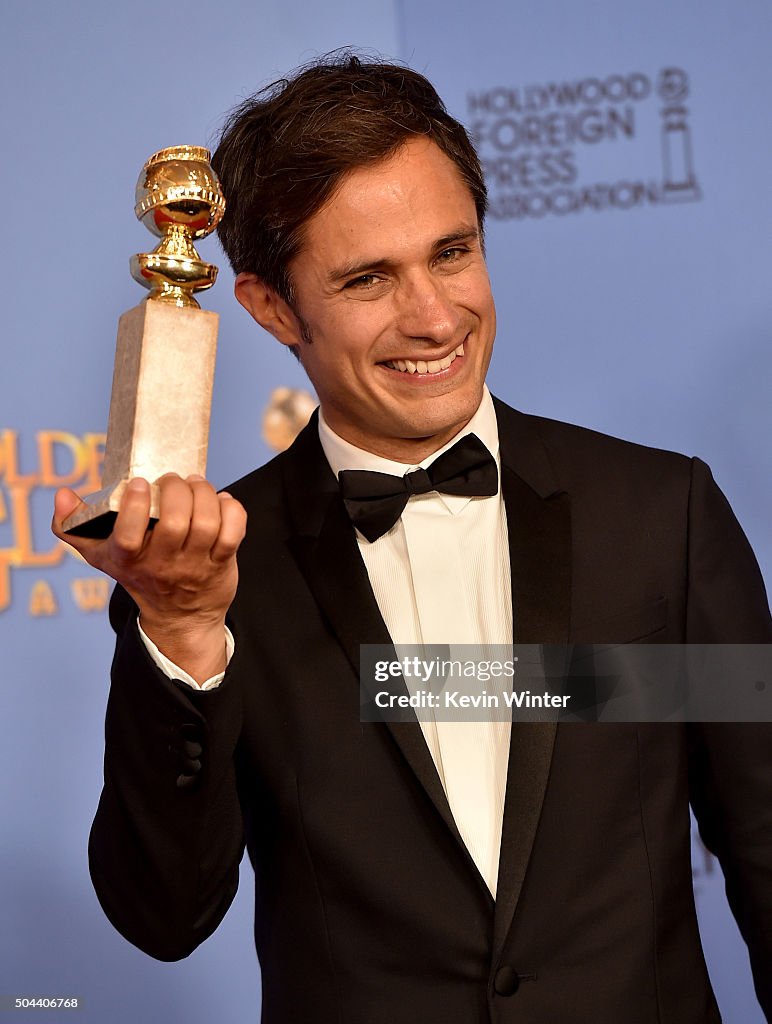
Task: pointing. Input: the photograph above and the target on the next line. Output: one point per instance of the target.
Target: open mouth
(424, 367)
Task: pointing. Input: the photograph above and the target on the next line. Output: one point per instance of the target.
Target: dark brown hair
(283, 152)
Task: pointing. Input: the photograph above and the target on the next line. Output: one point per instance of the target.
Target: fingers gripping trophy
(165, 352)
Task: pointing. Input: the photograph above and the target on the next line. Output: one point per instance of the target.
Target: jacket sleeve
(167, 839)
(730, 765)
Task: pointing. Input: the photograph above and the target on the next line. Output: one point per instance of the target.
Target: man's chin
(433, 433)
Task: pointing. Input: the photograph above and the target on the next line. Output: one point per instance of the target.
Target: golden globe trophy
(165, 352)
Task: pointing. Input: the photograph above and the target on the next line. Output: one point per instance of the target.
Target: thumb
(65, 503)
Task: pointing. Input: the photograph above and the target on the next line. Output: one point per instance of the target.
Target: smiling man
(393, 302)
(409, 871)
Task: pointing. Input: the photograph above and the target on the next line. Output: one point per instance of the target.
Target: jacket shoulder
(579, 456)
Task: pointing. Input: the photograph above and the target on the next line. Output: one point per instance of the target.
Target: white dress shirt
(441, 575)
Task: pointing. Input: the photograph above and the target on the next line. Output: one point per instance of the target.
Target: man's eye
(451, 255)
(362, 282)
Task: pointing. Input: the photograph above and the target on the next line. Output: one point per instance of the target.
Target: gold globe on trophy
(164, 359)
(179, 199)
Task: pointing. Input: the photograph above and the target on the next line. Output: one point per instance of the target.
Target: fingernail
(195, 476)
(138, 484)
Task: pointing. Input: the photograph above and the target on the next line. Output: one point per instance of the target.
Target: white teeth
(425, 366)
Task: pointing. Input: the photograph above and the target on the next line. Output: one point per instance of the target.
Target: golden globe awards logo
(30, 471)
(33, 467)
(551, 149)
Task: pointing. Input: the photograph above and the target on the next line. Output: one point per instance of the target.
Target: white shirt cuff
(175, 672)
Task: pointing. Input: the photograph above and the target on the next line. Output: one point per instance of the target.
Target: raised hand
(182, 574)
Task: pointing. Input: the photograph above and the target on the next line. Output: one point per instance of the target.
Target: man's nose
(426, 311)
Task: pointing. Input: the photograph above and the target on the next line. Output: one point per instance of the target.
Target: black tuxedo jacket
(369, 909)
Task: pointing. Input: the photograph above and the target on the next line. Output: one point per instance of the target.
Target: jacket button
(506, 982)
(186, 781)
(191, 749)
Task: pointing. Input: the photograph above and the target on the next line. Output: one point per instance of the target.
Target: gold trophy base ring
(172, 278)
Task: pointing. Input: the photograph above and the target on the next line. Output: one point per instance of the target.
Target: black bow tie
(375, 501)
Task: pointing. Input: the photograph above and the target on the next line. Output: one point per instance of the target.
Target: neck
(346, 447)
(408, 450)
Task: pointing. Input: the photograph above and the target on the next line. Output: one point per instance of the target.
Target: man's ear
(269, 309)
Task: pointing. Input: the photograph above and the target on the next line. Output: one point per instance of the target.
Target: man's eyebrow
(464, 233)
(356, 269)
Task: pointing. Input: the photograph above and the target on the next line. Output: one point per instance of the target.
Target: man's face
(394, 292)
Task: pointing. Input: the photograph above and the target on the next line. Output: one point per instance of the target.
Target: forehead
(410, 198)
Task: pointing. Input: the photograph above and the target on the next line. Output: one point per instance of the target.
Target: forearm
(731, 793)
(167, 838)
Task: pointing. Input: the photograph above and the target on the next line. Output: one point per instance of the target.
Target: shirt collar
(342, 454)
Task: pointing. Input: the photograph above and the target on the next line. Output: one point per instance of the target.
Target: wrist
(197, 646)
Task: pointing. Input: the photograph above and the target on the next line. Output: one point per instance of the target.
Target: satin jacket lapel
(539, 528)
(325, 546)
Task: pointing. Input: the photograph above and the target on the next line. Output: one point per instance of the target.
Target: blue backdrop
(627, 155)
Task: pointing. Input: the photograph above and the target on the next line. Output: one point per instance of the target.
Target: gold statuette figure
(165, 352)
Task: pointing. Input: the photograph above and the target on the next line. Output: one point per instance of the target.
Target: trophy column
(165, 352)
